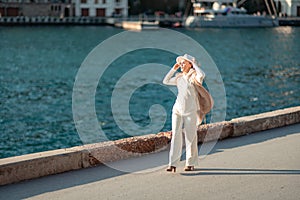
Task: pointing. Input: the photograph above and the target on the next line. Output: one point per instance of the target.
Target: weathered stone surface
(265, 121)
(167, 134)
(141, 144)
(95, 154)
(215, 131)
(30, 166)
(124, 148)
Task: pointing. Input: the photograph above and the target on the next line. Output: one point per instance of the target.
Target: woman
(185, 113)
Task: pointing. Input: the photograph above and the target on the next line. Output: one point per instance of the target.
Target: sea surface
(260, 69)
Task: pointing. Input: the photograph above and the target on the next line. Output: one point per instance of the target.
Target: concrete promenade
(263, 165)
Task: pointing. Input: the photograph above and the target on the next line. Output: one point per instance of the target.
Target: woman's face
(185, 66)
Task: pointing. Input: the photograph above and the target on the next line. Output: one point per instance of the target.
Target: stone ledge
(31, 166)
(36, 165)
(265, 121)
(215, 131)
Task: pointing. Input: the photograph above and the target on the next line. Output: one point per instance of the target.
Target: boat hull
(231, 21)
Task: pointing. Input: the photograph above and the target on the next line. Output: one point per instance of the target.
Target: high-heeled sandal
(189, 168)
(171, 169)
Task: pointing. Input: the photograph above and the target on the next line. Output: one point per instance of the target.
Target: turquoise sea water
(38, 65)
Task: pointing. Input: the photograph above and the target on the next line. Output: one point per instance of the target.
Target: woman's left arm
(200, 74)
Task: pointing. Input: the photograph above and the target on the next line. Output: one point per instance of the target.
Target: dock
(289, 21)
(132, 22)
(45, 20)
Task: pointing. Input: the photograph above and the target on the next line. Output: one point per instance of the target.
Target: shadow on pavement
(228, 171)
(42, 185)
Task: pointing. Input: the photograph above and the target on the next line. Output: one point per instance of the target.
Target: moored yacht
(208, 13)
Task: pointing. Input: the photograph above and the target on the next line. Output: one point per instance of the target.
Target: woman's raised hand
(176, 66)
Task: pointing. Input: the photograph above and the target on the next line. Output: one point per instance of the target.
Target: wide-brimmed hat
(186, 57)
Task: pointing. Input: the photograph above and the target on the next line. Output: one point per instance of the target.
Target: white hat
(187, 57)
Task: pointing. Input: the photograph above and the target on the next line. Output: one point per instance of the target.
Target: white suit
(184, 115)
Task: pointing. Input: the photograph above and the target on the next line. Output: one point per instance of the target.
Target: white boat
(139, 25)
(216, 14)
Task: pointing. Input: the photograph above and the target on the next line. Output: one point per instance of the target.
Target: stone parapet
(36, 165)
(265, 121)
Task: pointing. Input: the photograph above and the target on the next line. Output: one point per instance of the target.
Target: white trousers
(189, 122)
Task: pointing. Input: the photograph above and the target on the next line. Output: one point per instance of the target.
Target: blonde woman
(186, 113)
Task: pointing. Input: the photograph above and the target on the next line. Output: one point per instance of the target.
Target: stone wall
(36, 9)
(36, 165)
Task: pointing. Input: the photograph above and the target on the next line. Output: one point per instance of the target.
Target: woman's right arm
(169, 79)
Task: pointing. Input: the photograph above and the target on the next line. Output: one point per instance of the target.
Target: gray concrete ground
(264, 165)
